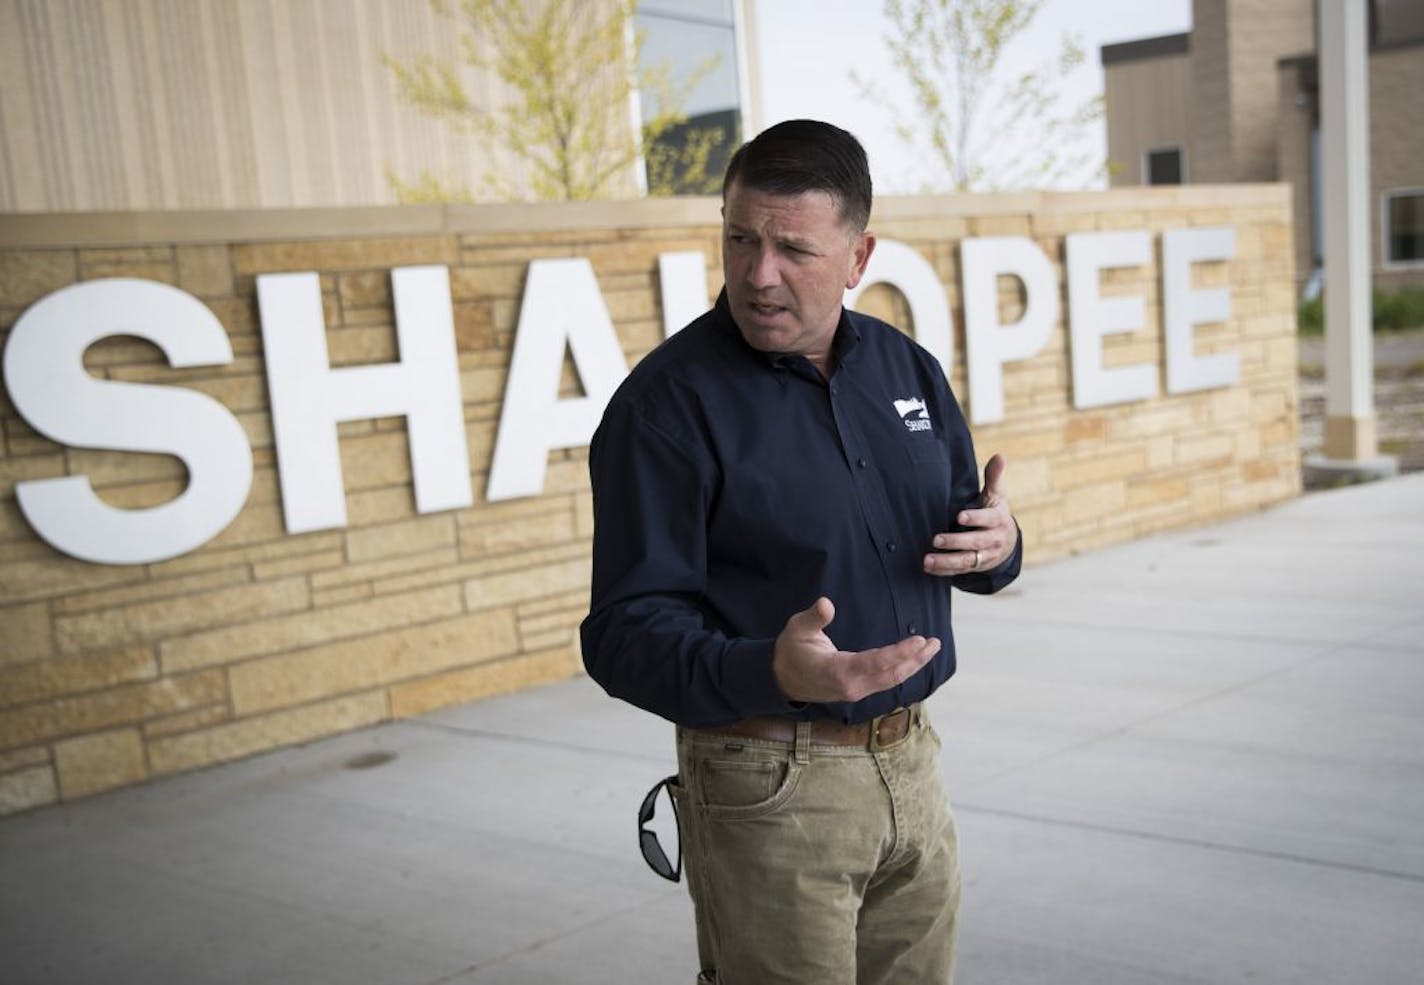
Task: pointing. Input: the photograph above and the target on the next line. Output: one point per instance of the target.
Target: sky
(807, 48)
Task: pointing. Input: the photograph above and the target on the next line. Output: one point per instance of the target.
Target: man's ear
(860, 257)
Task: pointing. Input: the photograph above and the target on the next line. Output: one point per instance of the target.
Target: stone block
(264, 637)
(1205, 450)
(300, 564)
(376, 460)
(527, 583)
(626, 256)
(53, 575)
(1099, 468)
(23, 469)
(1147, 493)
(482, 283)
(175, 616)
(1095, 503)
(482, 383)
(362, 345)
(205, 271)
(432, 562)
(239, 316)
(25, 789)
(208, 557)
(43, 680)
(364, 289)
(185, 721)
(1085, 427)
(565, 602)
(234, 740)
(422, 534)
(144, 262)
(26, 636)
(147, 590)
(566, 476)
(333, 255)
(124, 705)
(372, 660)
(107, 468)
(28, 275)
(323, 598)
(484, 681)
(583, 515)
(19, 759)
(93, 763)
(1000, 225)
(479, 540)
(474, 325)
(625, 307)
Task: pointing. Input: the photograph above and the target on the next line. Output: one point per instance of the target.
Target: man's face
(787, 261)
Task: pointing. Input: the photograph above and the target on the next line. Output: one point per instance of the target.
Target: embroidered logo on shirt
(913, 413)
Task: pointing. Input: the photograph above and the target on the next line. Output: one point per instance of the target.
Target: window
(694, 44)
(1162, 167)
(1403, 226)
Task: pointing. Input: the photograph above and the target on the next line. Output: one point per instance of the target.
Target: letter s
(44, 372)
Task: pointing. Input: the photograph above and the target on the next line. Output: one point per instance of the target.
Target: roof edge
(1165, 46)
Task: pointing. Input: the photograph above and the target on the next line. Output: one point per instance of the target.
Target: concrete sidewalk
(1194, 759)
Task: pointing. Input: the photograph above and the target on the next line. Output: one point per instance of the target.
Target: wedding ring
(975, 565)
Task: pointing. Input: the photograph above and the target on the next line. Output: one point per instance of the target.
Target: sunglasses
(648, 842)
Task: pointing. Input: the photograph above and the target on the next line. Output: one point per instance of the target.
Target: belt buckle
(875, 723)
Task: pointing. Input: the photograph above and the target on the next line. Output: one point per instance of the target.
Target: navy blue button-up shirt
(733, 487)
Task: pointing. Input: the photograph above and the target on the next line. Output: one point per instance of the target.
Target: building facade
(251, 104)
(1236, 99)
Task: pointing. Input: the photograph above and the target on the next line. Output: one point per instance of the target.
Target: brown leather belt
(878, 733)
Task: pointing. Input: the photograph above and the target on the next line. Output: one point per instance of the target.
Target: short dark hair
(806, 155)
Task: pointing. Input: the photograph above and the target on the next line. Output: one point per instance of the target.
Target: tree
(571, 69)
(983, 131)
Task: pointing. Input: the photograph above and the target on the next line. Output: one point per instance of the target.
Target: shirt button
(912, 629)
(835, 391)
(861, 462)
(890, 546)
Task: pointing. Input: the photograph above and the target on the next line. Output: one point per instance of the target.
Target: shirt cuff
(749, 683)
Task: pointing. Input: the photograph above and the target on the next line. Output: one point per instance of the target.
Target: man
(783, 493)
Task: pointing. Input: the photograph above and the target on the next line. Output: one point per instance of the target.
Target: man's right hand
(808, 667)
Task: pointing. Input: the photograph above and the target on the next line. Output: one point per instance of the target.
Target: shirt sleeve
(646, 640)
(964, 470)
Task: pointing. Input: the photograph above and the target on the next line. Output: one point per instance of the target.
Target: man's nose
(765, 271)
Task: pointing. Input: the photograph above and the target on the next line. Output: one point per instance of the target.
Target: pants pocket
(747, 783)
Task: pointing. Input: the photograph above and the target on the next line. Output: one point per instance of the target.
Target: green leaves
(563, 75)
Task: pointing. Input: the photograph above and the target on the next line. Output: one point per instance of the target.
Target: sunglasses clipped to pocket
(648, 843)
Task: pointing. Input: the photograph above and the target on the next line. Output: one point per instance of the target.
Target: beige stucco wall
(152, 104)
(259, 639)
(1148, 99)
(1235, 47)
(1396, 149)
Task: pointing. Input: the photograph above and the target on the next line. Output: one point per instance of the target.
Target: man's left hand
(991, 537)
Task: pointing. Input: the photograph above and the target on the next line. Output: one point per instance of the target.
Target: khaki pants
(818, 863)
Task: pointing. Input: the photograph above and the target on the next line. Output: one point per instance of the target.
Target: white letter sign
(309, 398)
(44, 372)
(988, 343)
(562, 308)
(1091, 317)
(1183, 307)
(682, 286)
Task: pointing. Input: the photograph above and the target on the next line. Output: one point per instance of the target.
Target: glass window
(1163, 167)
(1404, 226)
(689, 61)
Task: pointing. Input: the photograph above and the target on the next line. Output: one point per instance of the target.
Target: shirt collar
(843, 346)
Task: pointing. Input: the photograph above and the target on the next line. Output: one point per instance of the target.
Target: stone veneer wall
(260, 639)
